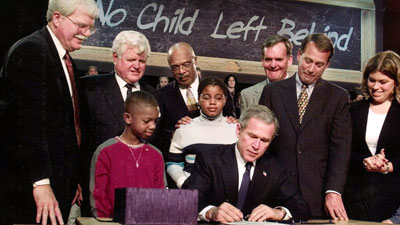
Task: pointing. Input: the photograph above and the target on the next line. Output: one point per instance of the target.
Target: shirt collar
(122, 83)
(299, 83)
(193, 86)
(60, 49)
(239, 159)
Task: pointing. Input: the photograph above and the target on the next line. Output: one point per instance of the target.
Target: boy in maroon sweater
(127, 160)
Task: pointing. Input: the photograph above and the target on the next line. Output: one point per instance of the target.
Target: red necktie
(75, 102)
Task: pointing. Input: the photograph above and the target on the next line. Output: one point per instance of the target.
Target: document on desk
(253, 223)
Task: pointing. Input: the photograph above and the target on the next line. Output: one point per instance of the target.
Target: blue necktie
(244, 187)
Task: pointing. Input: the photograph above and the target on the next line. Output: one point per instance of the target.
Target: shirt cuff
(332, 191)
(288, 215)
(42, 182)
(202, 213)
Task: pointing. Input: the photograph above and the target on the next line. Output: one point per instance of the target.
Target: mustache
(82, 37)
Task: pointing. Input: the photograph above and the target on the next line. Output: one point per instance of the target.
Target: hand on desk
(264, 212)
(334, 206)
(224, 213)
(47, 205)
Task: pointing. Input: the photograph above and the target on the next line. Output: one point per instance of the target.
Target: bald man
(174, 100)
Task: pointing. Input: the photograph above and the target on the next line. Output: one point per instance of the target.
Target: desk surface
(92, 221)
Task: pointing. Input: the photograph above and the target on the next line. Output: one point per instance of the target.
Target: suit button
(299, 151)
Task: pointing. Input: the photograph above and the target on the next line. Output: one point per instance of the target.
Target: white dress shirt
(123, 89)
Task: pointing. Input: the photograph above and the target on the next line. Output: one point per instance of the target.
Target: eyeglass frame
(83, 27)
(186, 66)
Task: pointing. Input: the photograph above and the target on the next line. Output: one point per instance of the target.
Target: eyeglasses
(83, 27)
(208, 98)
(186, 66)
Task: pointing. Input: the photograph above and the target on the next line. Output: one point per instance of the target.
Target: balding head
(182, 61)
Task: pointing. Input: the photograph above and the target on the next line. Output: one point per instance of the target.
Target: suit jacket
(103, 107)
(215, 176)
(172, 108)
(102, 111)
(317, 152)
(251, 95)
(37, 131)
(385, 186)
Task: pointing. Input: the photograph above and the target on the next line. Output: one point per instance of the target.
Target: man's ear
(298, 55)
(115, 57)
(127, 118)
(56, 18)
(238, 128)
(290, 61)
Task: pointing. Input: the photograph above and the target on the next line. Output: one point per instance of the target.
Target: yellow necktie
(302, 102)
(190, 100)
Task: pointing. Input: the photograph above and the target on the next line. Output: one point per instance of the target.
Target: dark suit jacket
(317, 152)
(102, 111)
(373, 196)
(215, 176)
(37, 131)
(172, 108)
(103, 107)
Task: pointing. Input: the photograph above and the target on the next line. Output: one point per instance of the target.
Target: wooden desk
(92, 221)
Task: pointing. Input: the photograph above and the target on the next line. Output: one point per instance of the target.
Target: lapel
(113, 98)
(317, 98)
(176, 100)
(289, 99)
(390, 126)
(259, 183)
(360, 124)
(229, 174)
(59, 73)
(143, 86)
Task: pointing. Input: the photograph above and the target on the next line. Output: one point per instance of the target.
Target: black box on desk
(155, 206)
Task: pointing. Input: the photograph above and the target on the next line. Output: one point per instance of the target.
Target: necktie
(129, 89)
(190, 100)
(75, 102)
(244, 186)
(302, 102)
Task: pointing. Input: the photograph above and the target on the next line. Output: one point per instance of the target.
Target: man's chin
(275, 76)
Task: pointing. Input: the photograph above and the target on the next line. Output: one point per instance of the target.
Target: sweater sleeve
(101, 192)
(175, 161)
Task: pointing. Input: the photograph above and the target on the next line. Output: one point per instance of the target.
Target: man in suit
(241, 179)
(315, 136)
(276, 58)
(104, 95)
(40, 128)
(178, 98)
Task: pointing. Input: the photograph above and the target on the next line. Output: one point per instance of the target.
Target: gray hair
(261, 113)
(131, 39)
(67, 7)
(180, 46)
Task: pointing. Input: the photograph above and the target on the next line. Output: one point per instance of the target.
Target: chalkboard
(233, 29)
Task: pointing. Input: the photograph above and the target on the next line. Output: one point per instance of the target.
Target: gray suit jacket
(251, 95)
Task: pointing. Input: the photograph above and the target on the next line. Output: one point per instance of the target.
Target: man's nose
(256, 143)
